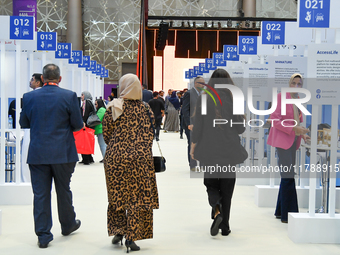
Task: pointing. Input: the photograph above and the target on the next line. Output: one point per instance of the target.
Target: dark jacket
(147, 95)
(219, 144)
(52, 114)
(188, 107)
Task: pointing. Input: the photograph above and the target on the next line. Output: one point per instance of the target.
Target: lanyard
(51, 83)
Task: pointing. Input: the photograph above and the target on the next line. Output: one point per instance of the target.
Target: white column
(3, 110)
(17, 107)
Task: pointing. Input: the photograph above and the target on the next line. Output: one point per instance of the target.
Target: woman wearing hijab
(86, 108)
(172, 118)
(128, 163)
(287, 140)
(218, 146)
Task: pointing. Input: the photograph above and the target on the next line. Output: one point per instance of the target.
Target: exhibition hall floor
(181, 225)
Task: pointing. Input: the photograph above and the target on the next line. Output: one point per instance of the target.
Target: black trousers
(41, 177)
(287, 197)
(220, 192)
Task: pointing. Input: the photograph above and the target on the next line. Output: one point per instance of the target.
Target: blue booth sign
(21, 28)
(273, 32)
(187, 75)
(86, 62)
(195, 71)
(47, 41)
(77, 57)
(106, 73)
(230, 53)
(98, 70)
(218, 59)
(202, 69)
(191, 73)
(64, 50)
(247, 45)
(209, 64)
(93, 66)
(314, 13)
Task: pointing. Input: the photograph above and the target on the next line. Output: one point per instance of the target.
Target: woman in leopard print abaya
(130, 175)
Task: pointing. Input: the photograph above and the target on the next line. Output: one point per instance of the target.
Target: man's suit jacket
(188, 107)
(147, 95)
(52, 114)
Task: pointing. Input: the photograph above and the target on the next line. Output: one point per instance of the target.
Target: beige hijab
(129, 88)
(296, 111)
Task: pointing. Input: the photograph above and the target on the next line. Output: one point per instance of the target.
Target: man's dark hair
(51, 72)
(154, 94)
(145, 86)
(37, 77)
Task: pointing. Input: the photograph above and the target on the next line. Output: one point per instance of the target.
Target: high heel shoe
(117, 238)
(132, 245)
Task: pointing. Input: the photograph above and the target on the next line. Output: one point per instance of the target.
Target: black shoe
(215, 225)
(117, 238)
(74, 228)
(278, 216)
(132, 245)
(157, 139)
(86, 163)
(102, 161)
(81, 162)
(181, 137)
(42, 245)
(225, 232)
(284, 221)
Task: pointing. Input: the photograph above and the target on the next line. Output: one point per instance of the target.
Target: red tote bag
(84, 141)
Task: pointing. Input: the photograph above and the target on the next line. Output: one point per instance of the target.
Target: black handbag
(93, 119)
(158, 161)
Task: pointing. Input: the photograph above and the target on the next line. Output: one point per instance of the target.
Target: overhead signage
(98, 70)
(77, 57)
(218, 59)
(187, 75)
(86, 62)
(230, 53)
(273, 32)
(106, 73)
(202, 69)
(247, 45)
(209, 64)
(47, 41)
(191, 73)
(21, 28)
(64, 50)
(314, 13)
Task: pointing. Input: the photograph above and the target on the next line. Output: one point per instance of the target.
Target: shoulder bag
(158, 161)
(93, 119)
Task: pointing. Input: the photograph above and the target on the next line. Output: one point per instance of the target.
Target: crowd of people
(129, 124)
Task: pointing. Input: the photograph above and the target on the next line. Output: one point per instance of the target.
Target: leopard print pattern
(129, 170)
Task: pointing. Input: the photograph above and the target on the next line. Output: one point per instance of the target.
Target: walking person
(52, 153)
(158, 110)
(218, 146)
(172, 107)
(98, 130)
(86, 108)
(128, 163)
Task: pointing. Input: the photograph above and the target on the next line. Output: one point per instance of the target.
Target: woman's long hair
(100, 103)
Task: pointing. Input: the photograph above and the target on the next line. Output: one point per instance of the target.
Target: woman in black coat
(218, 149)
(86, 108)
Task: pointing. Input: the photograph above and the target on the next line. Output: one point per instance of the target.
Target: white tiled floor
(181, 225)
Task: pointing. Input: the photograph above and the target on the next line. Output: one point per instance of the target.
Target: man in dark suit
(157, 107)
(52, 152)
(188, 109)
(147, 95)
